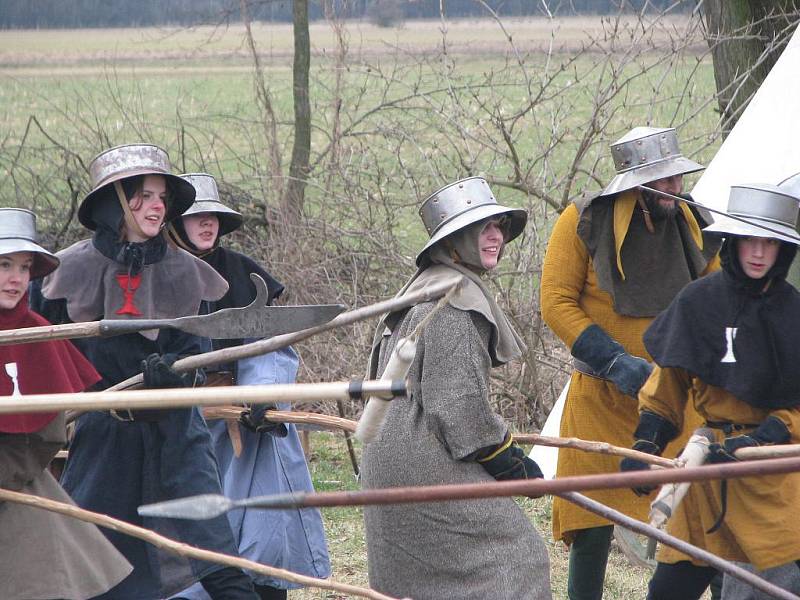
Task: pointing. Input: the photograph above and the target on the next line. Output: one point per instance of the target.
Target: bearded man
(614, 261)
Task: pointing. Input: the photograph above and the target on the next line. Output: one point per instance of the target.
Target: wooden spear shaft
(227, 355)
(529, 487)
(590, 446)
(205, 396)
(284, 416)
(703, 555)
(329, 422)
(182, 549)
(233, 412)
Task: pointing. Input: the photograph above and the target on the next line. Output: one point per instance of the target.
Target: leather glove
(158, 373)
(256, 423)
(652, 434)
(508, 461)
(608, 359)
(771, 431)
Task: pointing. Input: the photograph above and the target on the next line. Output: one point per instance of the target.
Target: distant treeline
(44, 14)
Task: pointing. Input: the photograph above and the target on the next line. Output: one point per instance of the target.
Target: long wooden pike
(226, 355)
(592, 446)
(337, 423)
(257, 320)
(207, 506)
(181, 549)
(668, 540)
(205, 396)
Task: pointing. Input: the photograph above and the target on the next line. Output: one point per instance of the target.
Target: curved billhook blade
(256, 320)
(208, 506)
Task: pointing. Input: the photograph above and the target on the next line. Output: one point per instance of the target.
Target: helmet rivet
(469, 201)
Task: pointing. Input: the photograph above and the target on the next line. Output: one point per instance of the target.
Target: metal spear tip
(198, 508)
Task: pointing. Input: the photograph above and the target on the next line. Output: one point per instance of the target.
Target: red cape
(38, 368)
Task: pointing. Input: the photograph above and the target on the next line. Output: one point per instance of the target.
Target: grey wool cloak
(466, 549)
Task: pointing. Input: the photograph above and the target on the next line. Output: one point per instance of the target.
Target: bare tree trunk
(746, 37)
(298, 170)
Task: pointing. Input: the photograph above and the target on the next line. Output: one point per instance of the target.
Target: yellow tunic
(595, 409)
(760, 524)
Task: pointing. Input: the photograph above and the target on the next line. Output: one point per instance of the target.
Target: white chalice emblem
(730, 335)
(11, 370)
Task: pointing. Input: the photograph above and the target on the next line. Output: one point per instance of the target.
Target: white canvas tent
(764, 145)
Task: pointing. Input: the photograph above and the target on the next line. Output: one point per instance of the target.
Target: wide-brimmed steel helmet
(130, 160)
(207, 201)
(18, 234)
(463, 203)
(646, 154)
(774, 207)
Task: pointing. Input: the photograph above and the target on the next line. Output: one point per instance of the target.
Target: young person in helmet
(122, 459)
(42, 554)
(271, 459)
(445, 430)
(727, 345)
(614, 261)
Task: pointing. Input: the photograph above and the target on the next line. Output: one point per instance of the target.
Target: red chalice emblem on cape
(129, 285)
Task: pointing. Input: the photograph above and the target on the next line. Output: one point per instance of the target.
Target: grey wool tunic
(466, 549)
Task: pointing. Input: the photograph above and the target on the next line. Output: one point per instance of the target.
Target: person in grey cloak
(42, 554)
(445, 430)
(271, 460)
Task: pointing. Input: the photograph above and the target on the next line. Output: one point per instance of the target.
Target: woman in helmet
(271, 459)
(42, 554)
(122, 459)
(445, 430)
(727, 343)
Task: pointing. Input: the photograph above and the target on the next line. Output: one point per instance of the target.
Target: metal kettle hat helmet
(18, 234)
(207, 201)
(646, 154)
(760, 203)
(129, 160)
(462, 203)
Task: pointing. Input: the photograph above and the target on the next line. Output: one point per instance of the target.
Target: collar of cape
(96, 286)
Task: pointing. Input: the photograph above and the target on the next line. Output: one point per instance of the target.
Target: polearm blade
(195, 508)
(209, 506)
(256, 320)
(429, 292)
